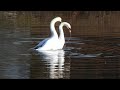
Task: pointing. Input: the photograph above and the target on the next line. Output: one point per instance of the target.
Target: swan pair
(54, 42)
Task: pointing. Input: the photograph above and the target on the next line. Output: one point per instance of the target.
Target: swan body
(51, 42)
(54, 42)
(61, 37)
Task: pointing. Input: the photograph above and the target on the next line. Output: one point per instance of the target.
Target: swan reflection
(55, 62)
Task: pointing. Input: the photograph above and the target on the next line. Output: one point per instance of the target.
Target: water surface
(81, 58)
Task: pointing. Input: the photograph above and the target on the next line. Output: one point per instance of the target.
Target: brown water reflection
(82, 57)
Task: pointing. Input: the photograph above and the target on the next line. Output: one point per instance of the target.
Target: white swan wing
(41, 43)
(47, 44)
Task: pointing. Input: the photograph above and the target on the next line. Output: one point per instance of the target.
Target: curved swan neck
(52, 26)
(61, 31)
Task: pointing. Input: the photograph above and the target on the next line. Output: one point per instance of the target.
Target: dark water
(81, 58)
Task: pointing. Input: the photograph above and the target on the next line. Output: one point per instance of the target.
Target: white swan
(51, 42)
(61, 37)
(54, 43)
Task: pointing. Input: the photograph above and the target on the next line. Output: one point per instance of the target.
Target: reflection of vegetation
(23, 20)
(4, 22)
(92, 23)
(27, 18)
(10, 19)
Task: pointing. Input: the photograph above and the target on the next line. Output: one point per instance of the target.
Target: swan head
(52, 26)
(57, 19)
(67, 25)
(52, 23)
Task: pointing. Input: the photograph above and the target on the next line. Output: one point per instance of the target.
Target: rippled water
(81, 58)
